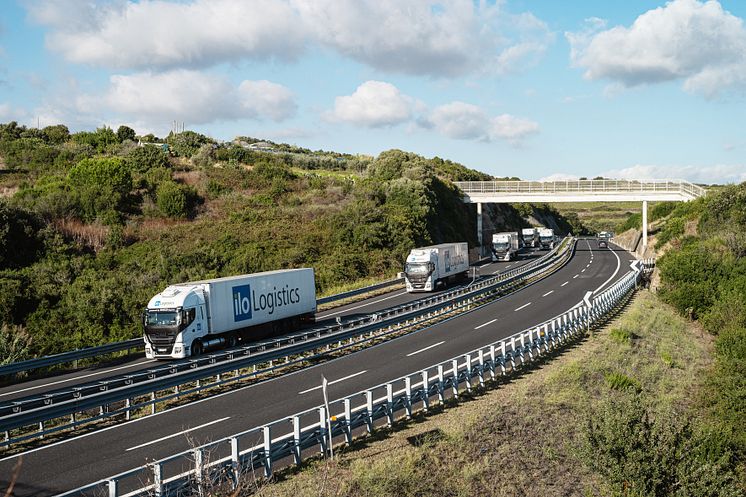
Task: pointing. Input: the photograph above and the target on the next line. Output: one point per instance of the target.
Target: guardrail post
(152, 405)
(296, 441)
(502, 357)
(322, 430)
(127, 412)
(425, 392)
(348, 421)
(157, 479)
(454, 383)
(441, 386)
(467, 362)
(369, 410)
(523, 347)
(235, 461)
(267, 432)
(41, 429)
(480, 371)
(199, 469)
(390, 404)
(113, 488)
(408, 396)
(492, 361)
(512, 353)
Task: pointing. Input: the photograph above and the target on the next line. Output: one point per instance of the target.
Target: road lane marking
(565, 283)
(79, 377)
(548, 293)
(177, 434)
(582, 271)
(523, 307)
(485, 324)
(325, 315)
(335, 381)
(506, 267)
(575, 276)
(426, 348)
(618, 265)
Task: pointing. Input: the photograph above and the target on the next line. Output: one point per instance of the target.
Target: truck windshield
(549, 237)
(501, 246)
(417, 268)
(161, 318)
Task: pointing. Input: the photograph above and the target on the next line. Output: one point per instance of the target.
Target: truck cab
(173, 321)
(547, 238)
(421, 270)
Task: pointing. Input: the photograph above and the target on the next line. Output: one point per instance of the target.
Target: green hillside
(92, 225)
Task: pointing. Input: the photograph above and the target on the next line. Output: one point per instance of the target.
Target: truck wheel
(196, 348)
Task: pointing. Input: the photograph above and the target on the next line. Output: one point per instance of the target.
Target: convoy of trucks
(428, 268)
(505, 246)
(530, 237)
(547, 238)
(188, 318)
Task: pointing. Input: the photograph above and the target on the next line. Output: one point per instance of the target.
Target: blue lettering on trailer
(241, 303)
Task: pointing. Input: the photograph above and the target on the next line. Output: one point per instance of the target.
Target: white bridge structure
(601, 190)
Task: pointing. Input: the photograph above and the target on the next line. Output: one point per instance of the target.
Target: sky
(538, 89)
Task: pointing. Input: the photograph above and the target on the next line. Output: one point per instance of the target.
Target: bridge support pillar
(479, 227)
(644, 225)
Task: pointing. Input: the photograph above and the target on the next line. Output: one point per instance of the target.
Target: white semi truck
(188, 318)
(505, 246)
(547, 238)
(530, 237)
(428, 268)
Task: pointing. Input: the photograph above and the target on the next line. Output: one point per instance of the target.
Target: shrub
(175, 200)
(143, 159)
(20, 243)
(102, 186)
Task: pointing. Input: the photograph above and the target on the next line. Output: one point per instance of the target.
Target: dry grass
(92, 236)
(521, 438)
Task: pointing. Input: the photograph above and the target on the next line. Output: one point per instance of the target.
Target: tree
(20, 243)
(187, 143)
(125, 133)
(57, 134)
(142, 159)
(175, 200)
(102, 186)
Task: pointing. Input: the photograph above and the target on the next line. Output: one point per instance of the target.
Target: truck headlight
(177, 349)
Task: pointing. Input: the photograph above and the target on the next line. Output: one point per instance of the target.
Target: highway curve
(77, 461)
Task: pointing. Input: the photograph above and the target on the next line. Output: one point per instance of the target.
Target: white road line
(335, 381)
(523, 307)
(177, 434)
(588, 265)
(582, 271)
(78, 377)
(325, 315)
(565, 283)
(618, 265)
(495, 272)
(575, 276)
(506, 267)
(485, 324)
(548, 293)
(426, 348)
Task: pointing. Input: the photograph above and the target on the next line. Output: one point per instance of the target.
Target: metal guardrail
(69, 356)
(584, 186)
(359, 291)
(104, 395)
(137, 343)
(198, 470)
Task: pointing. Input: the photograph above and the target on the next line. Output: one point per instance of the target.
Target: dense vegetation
(95, 224)
(703, 275)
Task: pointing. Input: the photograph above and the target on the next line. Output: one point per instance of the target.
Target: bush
(102, 186)
(143, 159)
(175, 200)
(20, 243)
(642, 454)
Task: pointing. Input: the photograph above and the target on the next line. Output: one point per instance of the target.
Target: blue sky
(528, 88)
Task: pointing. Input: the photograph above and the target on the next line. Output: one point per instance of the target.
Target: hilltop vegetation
(92, 224)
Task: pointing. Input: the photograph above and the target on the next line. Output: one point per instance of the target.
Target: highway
(76, 461)
(94, 374)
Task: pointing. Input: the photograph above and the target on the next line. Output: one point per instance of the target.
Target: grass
(522, 438)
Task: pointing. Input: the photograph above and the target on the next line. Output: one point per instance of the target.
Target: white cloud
(713, 174)
(10, 113)
(190, 96)
(697, 42)
(462, 121)
(423, 37)
(373, 104)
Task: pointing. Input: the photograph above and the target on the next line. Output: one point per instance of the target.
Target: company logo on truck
(246, 301)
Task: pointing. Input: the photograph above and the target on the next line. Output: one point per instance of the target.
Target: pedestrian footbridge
(602, 190)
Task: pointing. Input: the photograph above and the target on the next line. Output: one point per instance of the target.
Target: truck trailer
(505, 246)
(186, 319)
(530, 237)
(547, 238)
(428, 268)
